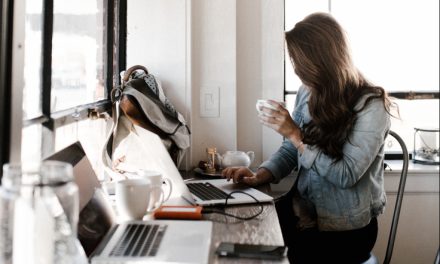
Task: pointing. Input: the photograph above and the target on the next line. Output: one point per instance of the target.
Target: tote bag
(140, 104)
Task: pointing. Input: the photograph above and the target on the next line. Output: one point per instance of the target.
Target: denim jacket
(346, 194)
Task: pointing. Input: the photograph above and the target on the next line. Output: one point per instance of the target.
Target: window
(32, 63)
(294, 12)
(77, 53)
(74, 51)
(395, 44)
(5, 79)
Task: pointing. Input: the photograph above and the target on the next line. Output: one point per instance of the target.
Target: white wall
(249, 76)
(272, 64)
(214, 65)
(236, 46)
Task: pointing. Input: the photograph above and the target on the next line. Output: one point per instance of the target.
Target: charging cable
(213, 211)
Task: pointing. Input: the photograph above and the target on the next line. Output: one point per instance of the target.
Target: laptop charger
(185, 212)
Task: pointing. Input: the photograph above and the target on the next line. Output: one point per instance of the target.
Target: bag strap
(115, 96)
(108, 145)
(116, 93)
(131, 70)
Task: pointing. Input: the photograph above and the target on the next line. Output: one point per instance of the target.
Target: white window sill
(421, 179)
(396, 167)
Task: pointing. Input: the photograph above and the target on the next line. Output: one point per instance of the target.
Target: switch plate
(210, 102)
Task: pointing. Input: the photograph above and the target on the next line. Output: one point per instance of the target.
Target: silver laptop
(105, 241)
(201, 192)
(215, 192)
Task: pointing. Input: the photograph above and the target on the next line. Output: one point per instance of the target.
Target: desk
(265, 229)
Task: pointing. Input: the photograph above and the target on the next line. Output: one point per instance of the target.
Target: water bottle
(45, 214)
(8, 195)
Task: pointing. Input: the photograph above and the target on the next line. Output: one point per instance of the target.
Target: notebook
(200, 192)
(106, 241)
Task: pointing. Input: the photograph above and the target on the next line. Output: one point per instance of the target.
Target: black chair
(437, 257)
(392, 236)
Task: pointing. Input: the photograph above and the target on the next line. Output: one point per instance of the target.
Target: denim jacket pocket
(348, 199)
(324, 201)
(330, 200)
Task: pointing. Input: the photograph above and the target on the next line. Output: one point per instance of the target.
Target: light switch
(210, 102)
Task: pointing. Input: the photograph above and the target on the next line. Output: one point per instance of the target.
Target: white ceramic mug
(164, 185)
(133, 198)
(264, 103)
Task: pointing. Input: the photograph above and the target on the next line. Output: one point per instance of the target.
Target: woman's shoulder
(372, 115)
(303, 94)
(303, 90)
(369, 102)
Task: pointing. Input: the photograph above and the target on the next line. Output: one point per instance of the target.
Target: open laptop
(201, 192)
(106, 241)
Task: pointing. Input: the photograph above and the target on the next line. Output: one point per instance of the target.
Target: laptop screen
(96, 215)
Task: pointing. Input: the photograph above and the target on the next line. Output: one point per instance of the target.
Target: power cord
(213, 211)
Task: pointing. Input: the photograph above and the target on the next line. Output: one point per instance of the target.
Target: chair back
(399, 198)
(437, 257)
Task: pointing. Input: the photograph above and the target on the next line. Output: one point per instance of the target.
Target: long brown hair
(321, 58)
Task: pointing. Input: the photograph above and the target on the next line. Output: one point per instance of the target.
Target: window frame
(6, 24)
(114, 61)
(407, 95)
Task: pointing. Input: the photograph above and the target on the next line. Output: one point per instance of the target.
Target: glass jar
(45, 212)
(8, 195)
(211, 163)
(426, 146)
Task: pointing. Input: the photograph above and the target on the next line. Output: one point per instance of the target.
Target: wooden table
(264, 229)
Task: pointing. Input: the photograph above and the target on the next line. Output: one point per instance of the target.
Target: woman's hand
(246, 176)
(280, 120)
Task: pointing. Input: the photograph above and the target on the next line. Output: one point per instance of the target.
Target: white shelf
(396, 167)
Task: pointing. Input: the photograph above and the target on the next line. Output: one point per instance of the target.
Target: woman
(336, 140)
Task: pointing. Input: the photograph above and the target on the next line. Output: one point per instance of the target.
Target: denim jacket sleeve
(282, 162)
(366, 139)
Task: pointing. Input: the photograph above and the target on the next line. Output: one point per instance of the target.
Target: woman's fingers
(268, 112)
(227, 173)
(281, 122)
(277, 112)
(237, 174)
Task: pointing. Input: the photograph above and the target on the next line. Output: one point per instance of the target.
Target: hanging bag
(140, 103)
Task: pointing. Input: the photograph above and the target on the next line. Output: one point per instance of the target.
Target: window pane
(296, 10)
(413, 114)
(395, 43)
(290, 102)
(32, 59)
(77, 53)
(31, 143)
(91, 134)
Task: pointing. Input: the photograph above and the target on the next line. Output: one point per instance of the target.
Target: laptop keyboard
(206, 191)
(139, 240)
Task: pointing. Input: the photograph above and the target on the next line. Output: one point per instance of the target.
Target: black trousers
(314, 246)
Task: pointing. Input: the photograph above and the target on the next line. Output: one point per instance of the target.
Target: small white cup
(133, 198)
(264, 103)
(157, 181)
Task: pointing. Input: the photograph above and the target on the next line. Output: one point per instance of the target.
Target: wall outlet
(210, 102)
